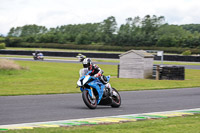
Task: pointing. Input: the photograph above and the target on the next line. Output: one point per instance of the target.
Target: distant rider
(81, 57)
(38, 54)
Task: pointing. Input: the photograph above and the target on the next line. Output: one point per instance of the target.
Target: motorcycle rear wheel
(116, 99)
(91, 103)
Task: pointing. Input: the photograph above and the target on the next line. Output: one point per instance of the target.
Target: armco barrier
(179, 58)
(61, 54)
(100, 55)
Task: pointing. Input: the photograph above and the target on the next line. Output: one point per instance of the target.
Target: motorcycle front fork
(93, 97)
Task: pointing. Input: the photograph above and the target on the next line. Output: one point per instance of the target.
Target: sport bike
(38, 56)
(94, 91)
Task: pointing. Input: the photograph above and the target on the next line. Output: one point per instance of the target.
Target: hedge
(2, 46)
(2, 39)
(177, 50)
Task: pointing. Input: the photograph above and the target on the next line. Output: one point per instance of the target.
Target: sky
(53, 13)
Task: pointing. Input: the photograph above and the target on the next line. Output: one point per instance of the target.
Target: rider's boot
(109, 89)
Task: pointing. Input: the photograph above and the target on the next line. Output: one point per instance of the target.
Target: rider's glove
(97, 75)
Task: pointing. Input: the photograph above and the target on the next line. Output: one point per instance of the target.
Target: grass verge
(187, 124)
(53, 78)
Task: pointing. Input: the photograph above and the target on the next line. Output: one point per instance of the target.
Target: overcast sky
(52, 13)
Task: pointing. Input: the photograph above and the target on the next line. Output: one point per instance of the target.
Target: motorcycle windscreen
(83, 72)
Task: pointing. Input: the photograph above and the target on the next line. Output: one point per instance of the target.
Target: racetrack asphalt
(40, 108)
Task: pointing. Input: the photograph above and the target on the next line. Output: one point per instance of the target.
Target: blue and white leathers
(87, 82)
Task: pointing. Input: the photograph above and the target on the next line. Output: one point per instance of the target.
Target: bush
(187, 52)
(2, 46)
(2, 39)
(13, 41)
(177, 50)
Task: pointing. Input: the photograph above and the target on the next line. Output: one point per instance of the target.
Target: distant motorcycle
(38, 56)
(94, 91)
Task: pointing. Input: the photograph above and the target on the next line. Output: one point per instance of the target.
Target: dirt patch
(9, 65)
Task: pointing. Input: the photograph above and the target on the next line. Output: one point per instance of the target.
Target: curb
(102, 120)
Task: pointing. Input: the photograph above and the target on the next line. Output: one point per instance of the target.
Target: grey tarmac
(40, 108)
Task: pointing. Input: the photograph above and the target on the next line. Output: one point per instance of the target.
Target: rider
(96, 72)
(81, 57)
(36, 53)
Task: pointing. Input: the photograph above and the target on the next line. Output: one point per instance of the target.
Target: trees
(191, 27)
(27, 30)
(149, 25)
(140, 31)
(146, 31)
(108, 29)
(176, 36)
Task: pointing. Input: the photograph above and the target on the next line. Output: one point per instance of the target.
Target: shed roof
(141, 53)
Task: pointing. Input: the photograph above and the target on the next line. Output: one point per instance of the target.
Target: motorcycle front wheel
(91, 103)
(116, 99)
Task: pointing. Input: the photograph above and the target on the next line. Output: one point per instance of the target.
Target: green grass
(188, 124)
(192, 80)
(51, 78)
(41, 78)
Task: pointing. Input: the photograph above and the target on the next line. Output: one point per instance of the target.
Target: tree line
(147, 31)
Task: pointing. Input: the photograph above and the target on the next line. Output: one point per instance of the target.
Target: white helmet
(86, 62)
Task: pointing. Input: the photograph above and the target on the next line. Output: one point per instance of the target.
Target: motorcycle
(94, 91)
(38, 56)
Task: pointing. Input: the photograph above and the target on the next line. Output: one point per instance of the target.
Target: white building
(136, 64)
